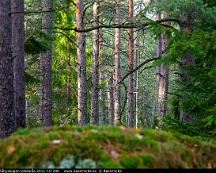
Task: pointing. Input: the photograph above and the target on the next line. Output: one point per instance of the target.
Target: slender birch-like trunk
(136, 78)
(117, 63)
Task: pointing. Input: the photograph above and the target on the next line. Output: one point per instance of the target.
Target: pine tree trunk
(111, 101)
(7, 111)
(46, 66)
(162, 74)
(95, 67)
(117, 77)
(18, 38)
(102, 108)
(131, 102)
(187, 59)
(81, 55)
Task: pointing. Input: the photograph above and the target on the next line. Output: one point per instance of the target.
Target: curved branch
(64, 34)
(125, 26)
(137, 68)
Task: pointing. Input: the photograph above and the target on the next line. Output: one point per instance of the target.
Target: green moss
(109, 147)
(130, 162)
(148, 160)
(108, 163)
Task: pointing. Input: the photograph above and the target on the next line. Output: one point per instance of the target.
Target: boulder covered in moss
(104, 147)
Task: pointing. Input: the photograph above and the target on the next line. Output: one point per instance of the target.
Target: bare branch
(125, 26)
(137, 68)
(72, 2)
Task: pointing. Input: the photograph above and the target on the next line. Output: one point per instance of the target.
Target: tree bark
(102, 108)
(81, 55)
(95, 67)
(111, 101)
(162, 74)
(185, 78)
(117, 63)
(46, 66)
(18, 38)
(131, 99)
(7, 111)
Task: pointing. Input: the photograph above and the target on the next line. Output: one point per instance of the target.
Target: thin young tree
(111, 101)
(7, 112)
(18, 38)
(117, 63)
(46, 66)
(95, 67)
(136, 77)
(81, 55)
(131, 99)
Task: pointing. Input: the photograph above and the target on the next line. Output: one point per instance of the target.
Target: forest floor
(104, 147)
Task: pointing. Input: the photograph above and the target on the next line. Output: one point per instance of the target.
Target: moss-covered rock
(104, 147)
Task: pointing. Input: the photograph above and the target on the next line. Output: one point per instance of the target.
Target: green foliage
(197, 95)
(33, 46)
(37, 43)
(174, 124)
(29, 79)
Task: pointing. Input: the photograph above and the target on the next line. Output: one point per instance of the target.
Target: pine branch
(124, 26)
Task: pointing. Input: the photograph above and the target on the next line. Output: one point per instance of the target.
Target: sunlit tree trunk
(111, 101)
(162, 74)
(95, 67)
(7, 112)
(81, 55)
(131, 99)
(46, 66)
(18, 38)
(117, 77)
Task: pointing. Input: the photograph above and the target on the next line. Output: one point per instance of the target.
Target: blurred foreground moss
(105, 147)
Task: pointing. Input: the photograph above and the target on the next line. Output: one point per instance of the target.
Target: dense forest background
(135, 63)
